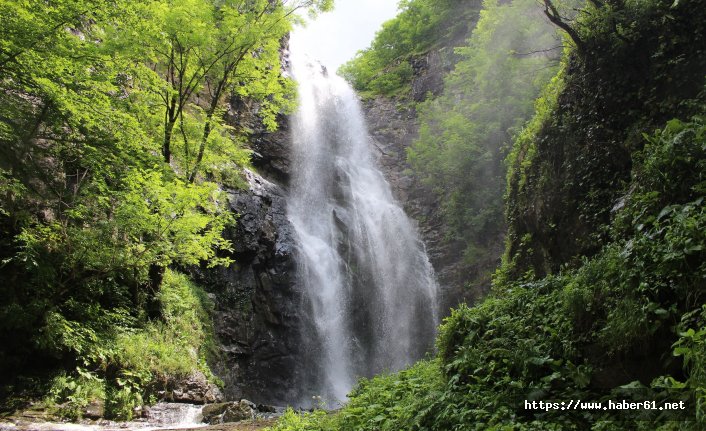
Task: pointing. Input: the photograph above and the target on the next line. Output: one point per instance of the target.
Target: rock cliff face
(255, 319)
(562, 198)
(393, 128)
(255, 298)
(429, 70)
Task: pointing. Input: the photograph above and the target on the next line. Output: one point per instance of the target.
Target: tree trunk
(170, 118)
(153, 286)
(209, 118)
(553, 14)
(202, 147)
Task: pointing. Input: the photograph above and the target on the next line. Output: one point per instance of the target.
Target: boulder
(265, 408)
(94, 410)
(240, 411)
(235, 411)
(194, 389)
(213, 413)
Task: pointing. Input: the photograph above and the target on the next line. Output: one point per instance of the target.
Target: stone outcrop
(229, 412)
(194, 389)
(270, 148)
(236, 411)
(255, 298)
(429, 71)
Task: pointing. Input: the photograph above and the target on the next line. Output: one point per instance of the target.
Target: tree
(92, 95)
(553, 14)
(204, 50)
(384, 67)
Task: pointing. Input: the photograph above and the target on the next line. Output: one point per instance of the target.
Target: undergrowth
(130, 369)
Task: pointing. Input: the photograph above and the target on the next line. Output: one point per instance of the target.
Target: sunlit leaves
(90, 214)
(384, 67)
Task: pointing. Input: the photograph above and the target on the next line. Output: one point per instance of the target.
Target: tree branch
(553, 14)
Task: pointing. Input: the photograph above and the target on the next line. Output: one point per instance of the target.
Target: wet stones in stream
(236, 411)
(194, 389)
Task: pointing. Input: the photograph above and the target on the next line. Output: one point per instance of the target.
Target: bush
(75, 392)
(301, 421)
(138, 362)
(179, 344)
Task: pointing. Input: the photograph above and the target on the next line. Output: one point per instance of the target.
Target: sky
(334, 37)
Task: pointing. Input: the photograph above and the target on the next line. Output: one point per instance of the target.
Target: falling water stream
(369, 289)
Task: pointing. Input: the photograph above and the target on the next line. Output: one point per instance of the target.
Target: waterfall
(369, 289)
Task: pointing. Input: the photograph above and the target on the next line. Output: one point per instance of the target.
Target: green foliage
(93, 209)
(465, 131)
(206, 51)
(298, 421)
(76, 392)
(568, 174)
(664, 218)
(392, 401)
(81, 282)
(151, 357)
(523, 150)
(173, 347)
(384, 67)
(518, 162)
(691, 346)
(138, 362)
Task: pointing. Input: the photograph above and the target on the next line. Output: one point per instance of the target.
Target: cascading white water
(369, 289)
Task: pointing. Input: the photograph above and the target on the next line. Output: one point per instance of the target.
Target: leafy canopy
(112, 128)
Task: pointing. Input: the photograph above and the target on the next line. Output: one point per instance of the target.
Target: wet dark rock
(235, 411)
(34, 413)
(240, 411)
(264, 408)
(194, 389)
(94, 410)
(256, 319)
(270, 148)
(212, 410)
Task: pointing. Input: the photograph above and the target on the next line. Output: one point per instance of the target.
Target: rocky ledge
(256, 319)
(194, 389)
